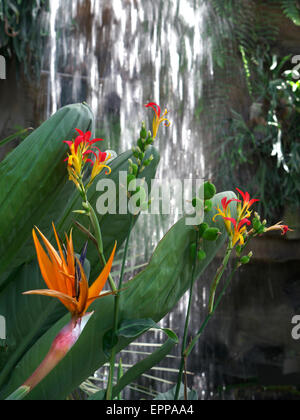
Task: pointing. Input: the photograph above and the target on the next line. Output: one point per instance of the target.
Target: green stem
(210, 315)
(116, 315)
(186, 327)
(218, 277)
(96, 227)
(98, 236)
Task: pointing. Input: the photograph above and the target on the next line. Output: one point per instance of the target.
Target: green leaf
(28, 317)
(135, 327)
(131, 329)
(151, 294)
(34, 187)
(110, 340)
(19, 133)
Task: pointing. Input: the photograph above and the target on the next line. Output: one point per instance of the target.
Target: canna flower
(65, 277)
(243, 211)
(239, 229)
(101, 158)
(236, 228)
(279, 226)
(158, 118)
(225, 213)
(79, 151)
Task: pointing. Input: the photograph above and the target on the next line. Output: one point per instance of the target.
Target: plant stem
(186, 327)
(98, 236)
(218, 277)
(210, 315)
(116, 314)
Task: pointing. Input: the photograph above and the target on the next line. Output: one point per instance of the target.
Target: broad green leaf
(27, 318)
(134, 328)
(34, 188)
(151, 294)
(146, 364)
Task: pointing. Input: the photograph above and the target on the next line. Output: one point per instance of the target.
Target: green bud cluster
(258, 226)
(139, 152)
(246, 258)
(206, 192)
(200, 253)
(207, 233)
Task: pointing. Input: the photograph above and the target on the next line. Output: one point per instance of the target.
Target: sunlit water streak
(118, 55)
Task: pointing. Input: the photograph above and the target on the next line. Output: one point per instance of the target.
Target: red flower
(158, 119)
(247, 202)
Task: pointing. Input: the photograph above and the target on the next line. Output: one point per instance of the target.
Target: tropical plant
(44, 343)
(267, 143)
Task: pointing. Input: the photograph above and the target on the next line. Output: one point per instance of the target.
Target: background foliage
(258, 122)
(23, 31)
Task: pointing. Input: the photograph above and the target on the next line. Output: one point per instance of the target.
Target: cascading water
(118, 55)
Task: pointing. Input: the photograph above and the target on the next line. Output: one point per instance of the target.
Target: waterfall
(119, 55)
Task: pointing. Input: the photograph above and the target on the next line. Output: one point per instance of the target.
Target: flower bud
(207, 190)
(149, 139)
(201, 255)
(208, 206)
(256, 215)
(256, 224)
(143, 133)
(197, 203)
(211, 234)
(136, 154)
(202, 228)
(130, 178)
(245, 260)
(141, 145)
(135, 169)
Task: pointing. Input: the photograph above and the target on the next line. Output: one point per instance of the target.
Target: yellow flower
(158, 118)
(78, 156)
(99, 164)
(225, 213)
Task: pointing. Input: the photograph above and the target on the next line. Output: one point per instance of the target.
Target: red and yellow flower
(80, 149)
(239, 229)
(101, 158)
(225, 212)
(279, 226)
(236, 228)
(243, 211)
(158, 117)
